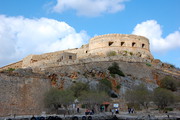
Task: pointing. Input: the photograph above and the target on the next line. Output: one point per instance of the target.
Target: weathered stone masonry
(98, 46)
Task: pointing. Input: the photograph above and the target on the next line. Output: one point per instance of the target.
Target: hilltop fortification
(23, 88)
(102, 46)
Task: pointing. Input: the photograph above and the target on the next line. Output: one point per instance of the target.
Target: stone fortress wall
(97, 49)
(101, 45)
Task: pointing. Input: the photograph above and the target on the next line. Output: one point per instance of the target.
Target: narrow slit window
(133, 44)
(110, 43)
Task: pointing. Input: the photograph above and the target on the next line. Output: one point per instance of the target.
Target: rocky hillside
(22, 90)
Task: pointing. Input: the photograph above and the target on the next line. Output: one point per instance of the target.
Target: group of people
(89, 112)
(130, 110)
(116, 111)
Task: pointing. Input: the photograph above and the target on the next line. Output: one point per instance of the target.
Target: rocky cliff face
(22, 90)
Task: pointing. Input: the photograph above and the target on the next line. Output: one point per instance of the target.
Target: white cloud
(153, 31)
(20, 36)
(90, 7)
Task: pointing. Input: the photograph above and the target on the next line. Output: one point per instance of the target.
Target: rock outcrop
(22, 90)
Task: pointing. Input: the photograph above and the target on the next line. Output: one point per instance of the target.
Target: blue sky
(39, 26)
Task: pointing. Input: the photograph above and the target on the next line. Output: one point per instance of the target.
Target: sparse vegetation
(171, 65)
(10, 69)
(93, 98)
(105, 85)
(85, 75)
(139, 95)
(148, 64)
(168, 83)
(163, 97)
(114, 69)
(168, 109)
(111, 53)
(131, 53)
(125, 53)
(55, 98)
(113, 75)
(78, 88)
(118, 87)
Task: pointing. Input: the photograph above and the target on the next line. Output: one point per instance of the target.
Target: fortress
(98, 49)
(23, 90)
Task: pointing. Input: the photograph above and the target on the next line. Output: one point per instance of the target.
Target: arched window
(122, 43)
(133, 44)
(110, 43)
(143, 45)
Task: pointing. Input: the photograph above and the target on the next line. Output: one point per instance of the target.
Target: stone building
(65, 56)
(99, 46)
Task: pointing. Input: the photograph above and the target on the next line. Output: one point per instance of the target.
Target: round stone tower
(120, 43)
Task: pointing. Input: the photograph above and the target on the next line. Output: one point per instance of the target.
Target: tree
(78, 88)
(139, 95)
(168, 83)
(93, 98)
(163, 97)
(105, 85)
(114, 69)
(51, 98)
(55, 98)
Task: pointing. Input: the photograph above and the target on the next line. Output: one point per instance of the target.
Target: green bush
(118, 87)
(168, 109)
(113, 75)
(55, 98)
(126, 52)
(106, 82)
(171, 65)
(10, 69)
(111, 53)
(114, 69)
(83, 106)
(131, 53)
(148, 64)
(78, 88)
(168, 83)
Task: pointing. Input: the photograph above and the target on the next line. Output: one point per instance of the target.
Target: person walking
(78, 110)
(112, 111)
